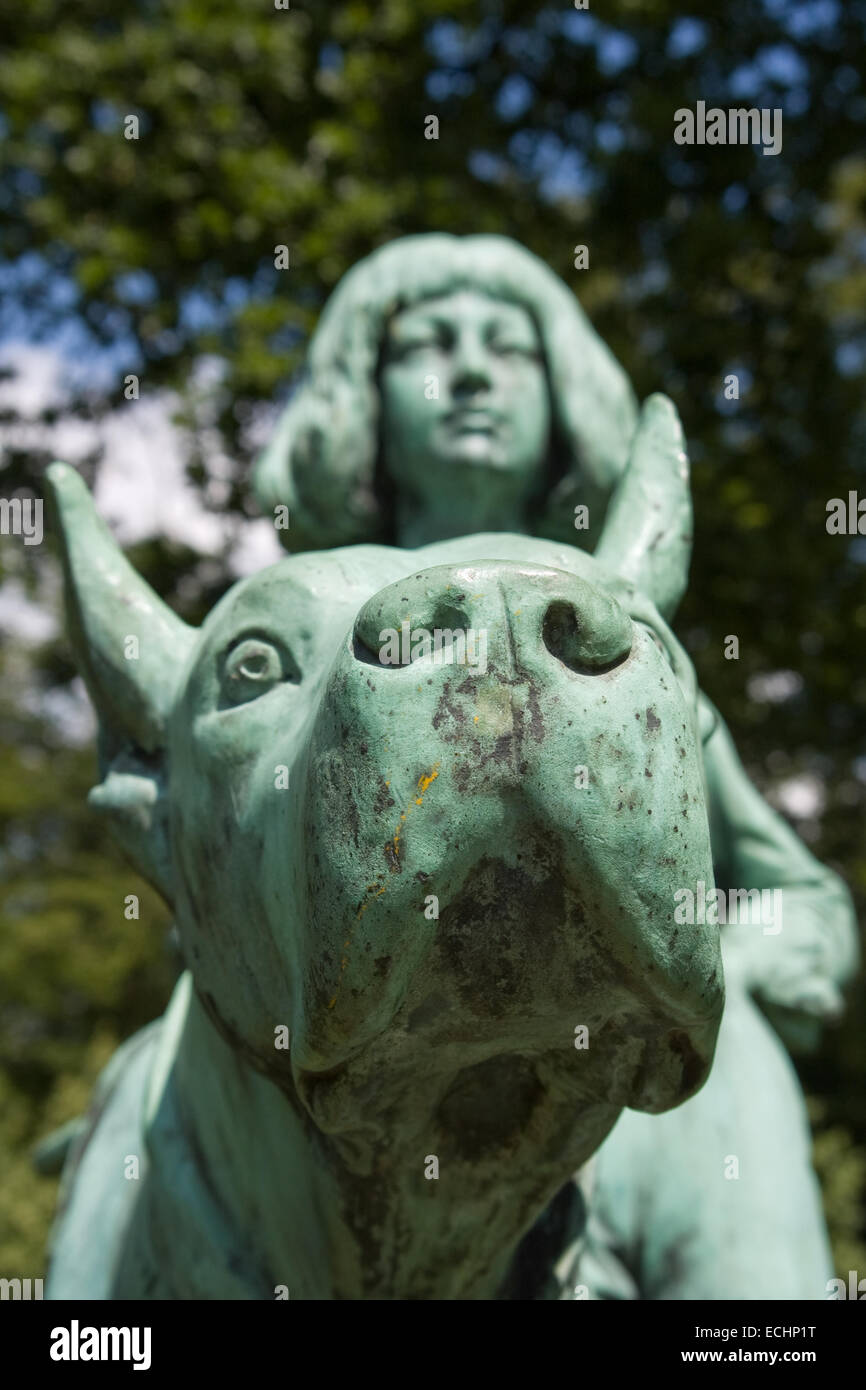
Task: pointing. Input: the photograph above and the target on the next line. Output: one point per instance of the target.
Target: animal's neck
(293, 1202)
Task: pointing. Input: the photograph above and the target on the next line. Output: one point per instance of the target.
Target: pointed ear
(131, 651)
(647, 536)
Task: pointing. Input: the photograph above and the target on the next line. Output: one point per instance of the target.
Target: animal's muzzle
(494, 613)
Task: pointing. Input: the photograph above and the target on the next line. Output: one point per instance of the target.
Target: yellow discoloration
(376, 889)
(363, 908)
(424, 782)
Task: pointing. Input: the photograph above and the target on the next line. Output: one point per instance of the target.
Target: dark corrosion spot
(494, 907)
(488, 1106)
(652, 720)
(383, 798)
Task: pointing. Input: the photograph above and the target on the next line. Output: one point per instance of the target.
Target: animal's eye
(251, 668)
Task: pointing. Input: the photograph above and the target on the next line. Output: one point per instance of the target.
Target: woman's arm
(797, 972)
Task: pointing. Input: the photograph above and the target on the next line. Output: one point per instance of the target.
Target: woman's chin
(479, 451)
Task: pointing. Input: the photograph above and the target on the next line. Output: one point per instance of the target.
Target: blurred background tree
(260, 127)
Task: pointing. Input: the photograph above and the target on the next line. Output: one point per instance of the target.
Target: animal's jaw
(362, 1215)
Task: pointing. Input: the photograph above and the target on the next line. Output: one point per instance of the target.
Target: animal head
(417, 865)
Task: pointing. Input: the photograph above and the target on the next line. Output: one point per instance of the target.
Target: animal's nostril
(561, 632)
(362, 652)
(589, 641)
(385, 636)
(447, 618)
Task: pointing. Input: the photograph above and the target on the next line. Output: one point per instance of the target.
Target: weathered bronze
(485, 399)
(430, 888)
(398, 869)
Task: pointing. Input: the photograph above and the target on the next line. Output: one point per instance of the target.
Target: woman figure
(454, 387)
(404, 340)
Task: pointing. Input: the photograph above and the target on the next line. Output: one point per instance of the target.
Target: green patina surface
(459, 408)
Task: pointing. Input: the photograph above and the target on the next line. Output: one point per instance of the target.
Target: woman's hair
(322, 461)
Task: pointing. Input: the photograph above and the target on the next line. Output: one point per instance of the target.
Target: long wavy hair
(324, 458)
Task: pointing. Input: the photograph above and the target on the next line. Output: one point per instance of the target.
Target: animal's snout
(503, 613)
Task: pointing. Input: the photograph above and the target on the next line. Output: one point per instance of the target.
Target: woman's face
(465, 401)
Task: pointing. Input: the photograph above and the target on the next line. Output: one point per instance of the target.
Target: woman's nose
(471, 367)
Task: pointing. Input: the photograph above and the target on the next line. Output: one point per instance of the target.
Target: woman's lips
(472, 421)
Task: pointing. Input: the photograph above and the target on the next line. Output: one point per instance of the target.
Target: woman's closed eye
(509, 347)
